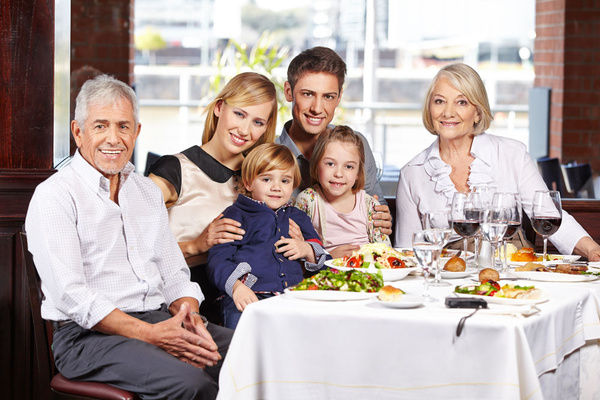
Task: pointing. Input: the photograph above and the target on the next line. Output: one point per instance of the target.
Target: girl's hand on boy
(382, 218)
(243, 295)
(295, 231)
(295, 249)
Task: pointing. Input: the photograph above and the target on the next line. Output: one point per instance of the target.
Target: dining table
(290, 347)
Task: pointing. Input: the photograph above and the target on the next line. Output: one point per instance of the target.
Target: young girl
(199, 182)
(340, 210)
(266, 260)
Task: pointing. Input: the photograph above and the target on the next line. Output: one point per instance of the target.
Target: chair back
(44, 363)
(552, 174)
(150, 159)
(578, 180)
(48, 382)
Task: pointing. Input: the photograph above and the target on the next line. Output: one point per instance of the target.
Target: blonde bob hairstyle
(467, 81)
(342, 134)
(243, 90)
(268, 157)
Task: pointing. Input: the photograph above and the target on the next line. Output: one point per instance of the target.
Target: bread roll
(489, 274)
(455, 264)
(390, 293)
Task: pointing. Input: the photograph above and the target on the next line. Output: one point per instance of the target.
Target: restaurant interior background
(392, 49)
(48, 48)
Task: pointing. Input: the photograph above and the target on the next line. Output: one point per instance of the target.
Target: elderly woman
(457, 111)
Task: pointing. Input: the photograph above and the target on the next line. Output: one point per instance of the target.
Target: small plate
(328, 295)
(388, 275)
(457, 275)
(505, 301)
(406, 301)
(543, 276)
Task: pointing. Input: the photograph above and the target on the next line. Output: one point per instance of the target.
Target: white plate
(552, 276)
(406, 301)
(559, 259)
(508, 302)
(328, 295)
(388, 275)
(457, 275)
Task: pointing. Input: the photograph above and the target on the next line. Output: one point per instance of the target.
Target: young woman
(200, 182)
(340, 210)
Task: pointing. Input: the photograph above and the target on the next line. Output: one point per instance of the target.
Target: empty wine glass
(441, 223)
(466, 217)
(512, 201)
(493, 227)
(427, 246)
(546, 215)
(486, 193)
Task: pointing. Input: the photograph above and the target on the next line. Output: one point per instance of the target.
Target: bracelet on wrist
(202, 317)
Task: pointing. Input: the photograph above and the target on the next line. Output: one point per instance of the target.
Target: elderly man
(116, 284)
(314, 86)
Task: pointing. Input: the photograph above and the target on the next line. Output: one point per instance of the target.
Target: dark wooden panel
(26, 83)
(16, 189)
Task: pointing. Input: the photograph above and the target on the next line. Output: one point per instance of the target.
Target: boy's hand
(243, 295)
(295, 249)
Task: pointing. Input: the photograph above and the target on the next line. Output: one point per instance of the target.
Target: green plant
(264, 57)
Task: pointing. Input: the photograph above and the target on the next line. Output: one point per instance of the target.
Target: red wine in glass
(546, 226)
(512, 229)
(466, 228)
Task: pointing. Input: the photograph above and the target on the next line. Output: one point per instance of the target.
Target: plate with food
(458, 274)
(508, 294)
(555, 273)
(393, 297)
(526, 255)
(375, 257)
(455, 268)
(335, 285)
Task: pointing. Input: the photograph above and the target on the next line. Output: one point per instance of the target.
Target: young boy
(266, 260)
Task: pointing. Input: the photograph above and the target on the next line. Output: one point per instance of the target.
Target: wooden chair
(59, 387)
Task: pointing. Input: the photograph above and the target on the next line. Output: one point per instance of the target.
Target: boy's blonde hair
(245, 89)
(344, 134)
(268, 157)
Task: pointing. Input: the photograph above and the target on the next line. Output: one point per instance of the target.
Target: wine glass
(546, 215)
(486, 193)
(466, 216)
(512, 201)
(493, 227)
(441, 223)
(427, 246)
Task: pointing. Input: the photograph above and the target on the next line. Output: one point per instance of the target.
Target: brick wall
(567, 59)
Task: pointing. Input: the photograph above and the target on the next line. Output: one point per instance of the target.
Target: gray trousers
(131, 364)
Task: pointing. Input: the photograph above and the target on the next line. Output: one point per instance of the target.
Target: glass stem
(438, 272)
(426, 285)
(465, 250)
(505, 256)
(545, 249)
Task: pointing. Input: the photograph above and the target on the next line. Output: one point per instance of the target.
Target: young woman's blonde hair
(343, 134)
(467, 81)
(243, 90)
(268, 157)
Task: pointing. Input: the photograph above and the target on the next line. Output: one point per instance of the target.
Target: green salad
(348, 281)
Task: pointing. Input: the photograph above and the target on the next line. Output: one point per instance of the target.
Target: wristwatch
(202, 317)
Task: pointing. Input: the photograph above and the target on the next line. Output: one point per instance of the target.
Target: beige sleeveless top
(200, 200)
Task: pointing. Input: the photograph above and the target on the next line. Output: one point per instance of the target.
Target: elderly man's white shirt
(94, 255)
(425, 185)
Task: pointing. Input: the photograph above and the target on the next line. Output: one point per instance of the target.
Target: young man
(115, 282)
(314, 86)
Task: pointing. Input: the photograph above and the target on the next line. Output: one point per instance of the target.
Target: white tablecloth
(288, 348)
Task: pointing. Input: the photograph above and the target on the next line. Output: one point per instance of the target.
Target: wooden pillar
(26, 123)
